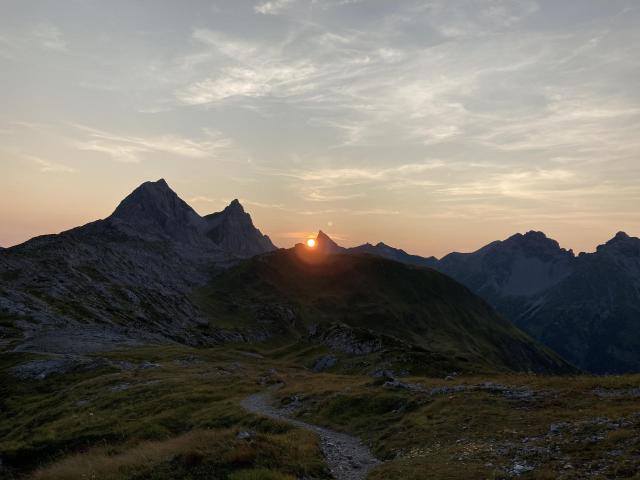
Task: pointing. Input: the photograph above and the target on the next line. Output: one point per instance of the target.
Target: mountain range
(157, 271)
(122, 280)
(585, 307)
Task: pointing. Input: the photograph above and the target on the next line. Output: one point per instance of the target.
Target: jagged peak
(154, 195)
(325, 242)
(621, 236)
(235, 205)
(621, 242)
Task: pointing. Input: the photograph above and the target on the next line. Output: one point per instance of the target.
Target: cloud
(44, 165)
(48, 166)
(50, 37)
(272, 7)
(363, 174)
(201, 199)
(131, 149)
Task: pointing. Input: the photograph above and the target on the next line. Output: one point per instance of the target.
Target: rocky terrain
(124, 280)
(346, 456)
(585, 307)
(261, 411)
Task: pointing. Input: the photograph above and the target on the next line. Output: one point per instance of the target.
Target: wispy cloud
(272, 7)
(50, 37)
(132, 149)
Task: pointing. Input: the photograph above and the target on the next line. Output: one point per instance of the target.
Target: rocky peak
(621, 244)
(324, 243)
(155, 209)
(232, 229)
(537, 244)
(235, 207)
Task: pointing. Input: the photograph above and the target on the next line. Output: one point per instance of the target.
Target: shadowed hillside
(329, 298)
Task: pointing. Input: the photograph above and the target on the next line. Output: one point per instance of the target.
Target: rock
(520, 468)
(146, 365)
(324, 363)
(246, 435)
(121, 387)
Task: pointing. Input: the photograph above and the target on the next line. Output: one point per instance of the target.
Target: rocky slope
(122, 280)
(585, 307)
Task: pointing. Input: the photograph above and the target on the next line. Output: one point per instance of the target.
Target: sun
(311, 243)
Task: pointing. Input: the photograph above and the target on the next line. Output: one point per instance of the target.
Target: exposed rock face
(123, 280)
(522, 265)
(586, 307)
(326, 245)
(233, 231)
(154, 211)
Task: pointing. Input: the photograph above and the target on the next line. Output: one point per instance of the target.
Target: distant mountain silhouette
(585, 307)
(233, 231)
(134, 277)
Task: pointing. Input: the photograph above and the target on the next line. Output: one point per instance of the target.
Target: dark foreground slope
(362, 304)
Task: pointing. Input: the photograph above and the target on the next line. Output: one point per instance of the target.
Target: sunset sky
(430, 125)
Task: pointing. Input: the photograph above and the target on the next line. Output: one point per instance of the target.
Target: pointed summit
(154, 210)
(622, 245)
(232, 229)
(325, 244)
(235, 206)
(621, 236)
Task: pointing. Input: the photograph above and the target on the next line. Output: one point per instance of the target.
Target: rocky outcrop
(123, 280)
(584, 307)
(232, 230)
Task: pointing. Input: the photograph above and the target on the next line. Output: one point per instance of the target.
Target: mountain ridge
(585, 307)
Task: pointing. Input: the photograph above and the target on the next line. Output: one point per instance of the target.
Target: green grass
(181, 421)
(431, 323)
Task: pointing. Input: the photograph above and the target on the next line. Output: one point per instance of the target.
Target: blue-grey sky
(433, 125)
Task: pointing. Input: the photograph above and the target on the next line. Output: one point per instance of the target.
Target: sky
(433, 126)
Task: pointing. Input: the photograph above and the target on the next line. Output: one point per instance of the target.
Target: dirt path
(347, 457)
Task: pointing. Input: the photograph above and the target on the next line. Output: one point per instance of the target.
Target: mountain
(383, 250)
(326, 245)
(233, 231)
(585, 307)
(122, 280)
(154, 211)
(368, 305)
(522, 265)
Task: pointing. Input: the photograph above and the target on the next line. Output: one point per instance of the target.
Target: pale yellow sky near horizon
(430, 125)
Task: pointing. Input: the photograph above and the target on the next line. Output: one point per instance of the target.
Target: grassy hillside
(173, 412)
(295, 292)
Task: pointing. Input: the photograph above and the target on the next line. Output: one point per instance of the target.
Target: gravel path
(347, 457)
